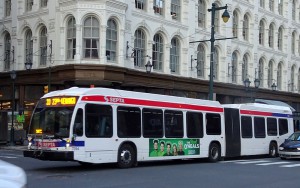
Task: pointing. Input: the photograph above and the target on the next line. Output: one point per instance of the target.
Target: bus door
(99, 146)
(77, 137)
(232, 132)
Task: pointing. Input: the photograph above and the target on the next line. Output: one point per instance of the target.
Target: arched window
(200, 61)
(246, 28)
(291, 83)
(294, 10)
(174, 55)
(270, 73)
(111, 40)
(280, 7)
(233, 67)
(71, 38)
(293, 43)
(175, 9)
(271, 5)
(7, 7)
(279, 76)
(139, 48)
(7, 47)
(271, 36)
(261, 72)
(245, 67)
(235, 24)
(28, 46)
(157, 52)
(43, 46)
(201, 13)
(262, 3)
(261, 32)
(280, 37)
(91, 38)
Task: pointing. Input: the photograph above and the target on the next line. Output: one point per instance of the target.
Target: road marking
(291, 165)
(8, 157)
(251, 162)
(233, 161)
(274, 163)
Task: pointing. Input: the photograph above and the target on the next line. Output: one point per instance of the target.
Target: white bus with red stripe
(100, 125)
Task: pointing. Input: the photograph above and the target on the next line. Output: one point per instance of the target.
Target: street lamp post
(225, 18)
(13, 76)
(247, 83)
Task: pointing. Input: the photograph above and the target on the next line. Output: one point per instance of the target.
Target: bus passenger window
(173, 124)
(272, 127)
(98, 121)
(194, 122)
(213, 124)
(152, 123)
(78, 124)
(283, 126)
(246, 127)
(129, 122)
(259, 127)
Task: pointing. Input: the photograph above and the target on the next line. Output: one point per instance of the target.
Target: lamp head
(28, 65)
(148, 67)
(247, 83)
(273, 86)
(256, 83)
(13, 74)
(225, 16)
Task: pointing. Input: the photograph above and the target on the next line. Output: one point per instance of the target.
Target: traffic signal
(46, 89)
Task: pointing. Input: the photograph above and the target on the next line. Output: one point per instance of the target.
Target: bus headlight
(281, 148)
(29, 145)
(68, 143)
(298, 149)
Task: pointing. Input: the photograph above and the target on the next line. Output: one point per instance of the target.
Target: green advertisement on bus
(173, 147)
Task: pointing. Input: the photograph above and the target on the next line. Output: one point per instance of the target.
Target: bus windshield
(52, 117)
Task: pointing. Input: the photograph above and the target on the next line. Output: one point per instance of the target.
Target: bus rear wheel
(273, 152)
(126, 156)
(214, 154)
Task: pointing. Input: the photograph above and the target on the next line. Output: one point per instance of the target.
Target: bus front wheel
(214, 154)
(126, 156)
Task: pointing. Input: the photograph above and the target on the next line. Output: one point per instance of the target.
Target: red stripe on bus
(120, 100)
(251, 112)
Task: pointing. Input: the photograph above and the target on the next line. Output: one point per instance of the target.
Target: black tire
(214, 153)
(282, 158)
(273, 150)
(126, 156)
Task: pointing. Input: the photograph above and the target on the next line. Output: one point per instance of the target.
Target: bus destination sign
(60, 101)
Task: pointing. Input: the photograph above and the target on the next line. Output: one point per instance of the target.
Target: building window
(271, 36)
(293, 43)
(111, 40)
(279, 76)
(299, 80)
(245, 67)
(270, 74)
(7, 7)
(294, 10)
(216, 64)
(139, 48)
(280, 7)
(28, 46)
(174, 55)
(158, 6)
(140, 4)
(175, 9)
(235, 24)
(261, 32)
(43, 46)
(271, 5)
(299, 45)
(71, 38)
(91, 38)
(280, 37)
(292, 81)
(7, 47)
(201, 13)
(261, 72)
(246, 28)
(233, 67)
(158, 52)
(44, 3)
(262, 3)
(28, 5)
(200, 61)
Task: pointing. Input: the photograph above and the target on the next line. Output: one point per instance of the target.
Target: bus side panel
(232, 132)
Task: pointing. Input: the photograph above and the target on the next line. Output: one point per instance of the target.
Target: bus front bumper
(49, 155)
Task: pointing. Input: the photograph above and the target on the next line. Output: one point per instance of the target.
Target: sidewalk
(15, 147)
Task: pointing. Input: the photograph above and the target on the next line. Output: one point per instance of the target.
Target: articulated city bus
(101, 125)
